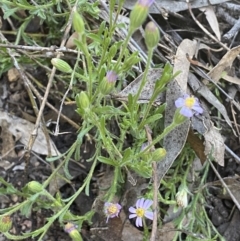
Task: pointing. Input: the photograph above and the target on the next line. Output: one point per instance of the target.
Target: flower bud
(128, 63)
(5, 224)
(78, 23)
(82, 100)
(152, 35)
(139, 13)
(159, 154)
(61, 65)
(108, 82)
(113, 50)
(181, 196)
(35, 187)
(70, 228)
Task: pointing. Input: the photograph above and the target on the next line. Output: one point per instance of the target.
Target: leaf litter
(174, 143)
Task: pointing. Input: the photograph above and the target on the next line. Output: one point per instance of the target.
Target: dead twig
(223, 14)
(204, 29)
(206, 76)
(235, 156)
(231, 6)
(40, 97)
(234, 119)
(224, 185)
(33, 102)
(47, 50)
(50, 81)
(233, 31)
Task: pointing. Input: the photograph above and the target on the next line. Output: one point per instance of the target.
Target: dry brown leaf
(214, 145)
(152, 76)
(212, 99)
(229, 78)
(8, 143)
(175, 140)
(210, 140)
(212, 20)
(232, 79)
(22, 130)
(181, 63)
(70, 43)
(225, 62)
(233, 184)
(197, 145)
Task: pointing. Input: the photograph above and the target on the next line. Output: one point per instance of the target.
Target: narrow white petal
(132, 216)
(132, 210)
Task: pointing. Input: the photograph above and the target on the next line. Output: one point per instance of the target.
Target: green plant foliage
(86, 74)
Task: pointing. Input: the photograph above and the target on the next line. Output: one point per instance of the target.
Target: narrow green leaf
(107, 161)
(152, 119)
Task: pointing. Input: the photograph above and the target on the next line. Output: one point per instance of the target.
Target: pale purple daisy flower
(141, 211)
(189, 106)
(112, 210)
(111, 77)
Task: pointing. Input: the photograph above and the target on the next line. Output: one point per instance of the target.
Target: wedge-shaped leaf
(107, 161)
(212, 20)
(127, 156)
(152, 119)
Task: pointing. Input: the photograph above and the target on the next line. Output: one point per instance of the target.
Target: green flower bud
(78, 23)
(128, 63)
(159, 154)
(61, 65)
(178, 118)
(5, 224)
(152, 35)
(182, 196)
(35, 187)
(168, 68)
(108, 83)
(113, 50)
(139, 13)
(82, 100)
(70, 228)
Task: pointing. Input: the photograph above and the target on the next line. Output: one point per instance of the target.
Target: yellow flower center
(189, 102)
(6, 219)
(112, 209)
(140, 212)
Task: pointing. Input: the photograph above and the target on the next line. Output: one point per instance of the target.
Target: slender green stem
(120, 5)
(16, 208)
(89, 64)
(162, 200)
(108, 143)
(144, 79)
(122, 136)
(166, 131)
(71, 200)
(113, 188)
(130, 32)
(146, 233)
(149, 106)
(111, 8)
(102, 57)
